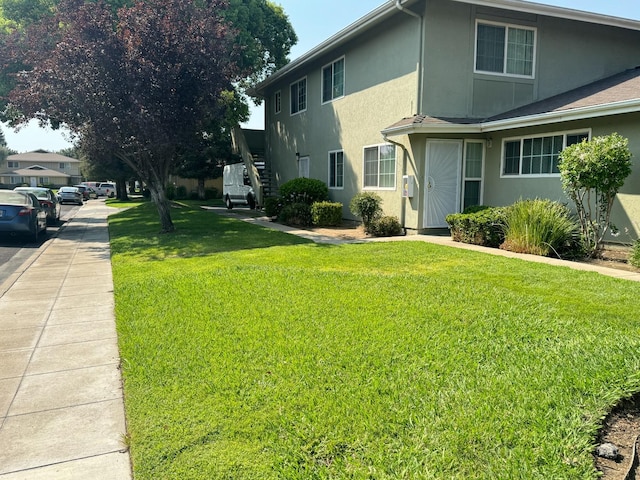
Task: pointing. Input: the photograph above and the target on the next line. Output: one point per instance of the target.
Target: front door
(442, 181)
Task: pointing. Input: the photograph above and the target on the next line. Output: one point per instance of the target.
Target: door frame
(427, 222)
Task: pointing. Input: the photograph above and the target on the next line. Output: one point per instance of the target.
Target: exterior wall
(588, 53)
(380, 88)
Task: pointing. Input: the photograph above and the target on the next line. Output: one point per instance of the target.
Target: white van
(236, 186)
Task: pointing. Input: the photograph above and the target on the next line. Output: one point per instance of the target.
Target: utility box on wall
(407, 186)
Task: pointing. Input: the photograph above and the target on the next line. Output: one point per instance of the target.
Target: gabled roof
(610, 96)
(393, 7)
(41, 156)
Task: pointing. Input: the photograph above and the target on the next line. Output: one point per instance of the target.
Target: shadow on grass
(135, 232)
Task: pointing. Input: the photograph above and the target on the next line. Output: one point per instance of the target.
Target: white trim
(329, 169)
(306, 95)
(506, 26)
(395, 171)
(521, 139)
(344, 80)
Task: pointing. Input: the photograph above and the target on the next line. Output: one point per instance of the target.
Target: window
(299, 96)
(277, 102)
(505, 49)
(333, 81)
(336, 169)
(380, 166)
(303, 167)
(11, 164)
(473, 172)
(63, 165)
(536, 156)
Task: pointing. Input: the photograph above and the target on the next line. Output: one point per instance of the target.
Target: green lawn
(252, 354)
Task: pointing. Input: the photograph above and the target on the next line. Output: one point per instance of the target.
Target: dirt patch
(621, 428)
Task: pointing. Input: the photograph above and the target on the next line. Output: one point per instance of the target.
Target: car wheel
(228, 203)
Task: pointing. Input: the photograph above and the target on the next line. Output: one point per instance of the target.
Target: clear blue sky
(315, 21)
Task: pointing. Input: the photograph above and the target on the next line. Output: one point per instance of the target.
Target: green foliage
(386, 360)
(367, 206)
(480, 226)
(181, 192)
(304, 190)
(211, 193)
(592, 173)
(539, 227)
(326, 214)
(385, 226)
(634, 259)
(272, 206)
(170, 191)
(298, 214)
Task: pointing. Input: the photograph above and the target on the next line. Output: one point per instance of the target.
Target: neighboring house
(437, 105)
(39, 168)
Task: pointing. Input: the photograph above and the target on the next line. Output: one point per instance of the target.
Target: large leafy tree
(138, 85)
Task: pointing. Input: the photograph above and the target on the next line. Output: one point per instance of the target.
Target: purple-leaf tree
(137, 85)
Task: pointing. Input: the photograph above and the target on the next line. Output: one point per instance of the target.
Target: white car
(106, 190)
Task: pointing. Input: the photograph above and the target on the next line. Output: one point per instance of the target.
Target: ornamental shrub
(367, 206)
(385, 226)
(634, 259)
(304, 190)
(592, 173)
(181, 192)
(481, 226)
(326, 214)
(539, 227)
(297, 214)
(272, 206)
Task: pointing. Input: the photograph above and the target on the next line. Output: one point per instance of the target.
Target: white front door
(442, 181)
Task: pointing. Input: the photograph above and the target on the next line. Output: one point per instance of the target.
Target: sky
(314, 21)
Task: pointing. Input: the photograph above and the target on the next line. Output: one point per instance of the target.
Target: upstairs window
(299, 96)
(11, 164)
(380, 166)
(333, 81)
(277, 102)
(505, 49)
(537, 156)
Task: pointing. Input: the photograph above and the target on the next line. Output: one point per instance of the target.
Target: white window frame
(473, 179)
(306, 97)
(395, 167)
(521, 139)
(506, 26)
(329, 179)
(13, 164)
(331, 66)
(277, 102)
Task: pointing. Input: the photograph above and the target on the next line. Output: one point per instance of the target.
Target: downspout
(419, 94)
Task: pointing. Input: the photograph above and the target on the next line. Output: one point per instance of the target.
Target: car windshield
(7, 197)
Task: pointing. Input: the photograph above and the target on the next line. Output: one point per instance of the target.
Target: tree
(140, 84)
(592, 172)
(137, 86)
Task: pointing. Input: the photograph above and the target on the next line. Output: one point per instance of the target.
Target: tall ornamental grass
(539, 227)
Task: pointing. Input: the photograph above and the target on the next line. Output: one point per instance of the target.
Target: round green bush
(367, 206)
(304, 190)
(297, 214)
(272, 206)
(385, 226)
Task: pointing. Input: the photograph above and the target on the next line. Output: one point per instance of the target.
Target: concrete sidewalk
(61, 402)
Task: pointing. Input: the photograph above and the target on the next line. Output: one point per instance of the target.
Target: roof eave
(432, 129)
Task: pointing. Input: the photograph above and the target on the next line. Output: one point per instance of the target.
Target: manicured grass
(251, 354)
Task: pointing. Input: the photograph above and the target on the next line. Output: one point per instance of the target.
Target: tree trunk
(164, 208)
(121, 188)
(201, 193)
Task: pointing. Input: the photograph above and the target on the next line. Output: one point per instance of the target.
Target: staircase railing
(241, 147)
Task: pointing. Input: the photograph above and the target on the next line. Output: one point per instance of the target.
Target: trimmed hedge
(385, 226)
(304, 190)
(485, 226)
(326, 214)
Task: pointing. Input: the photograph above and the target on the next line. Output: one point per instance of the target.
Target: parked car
(21, 213)
(48, 201)
(70, 194)
(106, 190)
(87, 192)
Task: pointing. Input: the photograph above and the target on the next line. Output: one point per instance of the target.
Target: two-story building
(437, 105)
(40, 168)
